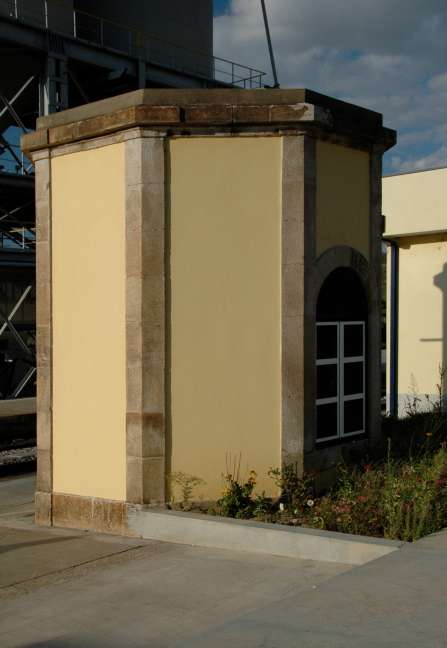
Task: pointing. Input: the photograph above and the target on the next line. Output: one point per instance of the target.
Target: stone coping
(184, 97)
(259, 537)
(216, 110)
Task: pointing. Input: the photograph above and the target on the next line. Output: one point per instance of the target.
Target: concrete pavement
(157, 599)
(164, 595)
(17, 499)
(398, 601)
(31, 556)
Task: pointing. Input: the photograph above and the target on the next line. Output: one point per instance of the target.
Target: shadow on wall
(439, 281)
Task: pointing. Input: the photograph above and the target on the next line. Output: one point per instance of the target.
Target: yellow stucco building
(416, 233)
(208, 288)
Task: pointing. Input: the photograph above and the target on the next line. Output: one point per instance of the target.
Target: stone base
(43, 506)
(87, 513)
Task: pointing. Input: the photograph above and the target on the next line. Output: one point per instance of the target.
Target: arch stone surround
(301, 285)
(332, 259)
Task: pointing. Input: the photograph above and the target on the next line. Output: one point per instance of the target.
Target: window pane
(327, 416)
(327, 381)
(326, 342)
(353, 340)
(354, 416)
(353, 382)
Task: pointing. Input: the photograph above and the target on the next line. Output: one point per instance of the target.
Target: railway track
(17, 436)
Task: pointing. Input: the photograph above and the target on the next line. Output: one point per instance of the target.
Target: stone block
(72, 511)
(134, 479)
(145, 161)
(157, 114)
(44, 431)
(44, 481)
(293, 289)
(43, 345)
(293, 241)
(34, 141)
(153, 434)
(208, 113)
(154, 480)
(43, 509)
(251, 114)
(109, 516)
(291, 113)
(153, 397)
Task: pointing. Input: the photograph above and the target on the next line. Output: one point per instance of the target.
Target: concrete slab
(185, 597)
(16, 491)
(248, 535)
(27, 554)
(17, 499)
(159, 598)
(397, 601)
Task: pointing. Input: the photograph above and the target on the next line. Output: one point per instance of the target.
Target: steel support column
(53, 94)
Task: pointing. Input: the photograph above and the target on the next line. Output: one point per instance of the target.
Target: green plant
(421, 431)
(186, 483)
(395, 499)
(296, 490)
(415, 497)
(237, 498)
(264, 508)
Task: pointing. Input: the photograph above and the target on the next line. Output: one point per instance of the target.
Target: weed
(186, 483)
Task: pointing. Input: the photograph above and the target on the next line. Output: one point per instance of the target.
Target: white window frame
(340, 361)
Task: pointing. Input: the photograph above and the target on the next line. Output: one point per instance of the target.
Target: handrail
(17, 238)
(150, 47)
(18, 164)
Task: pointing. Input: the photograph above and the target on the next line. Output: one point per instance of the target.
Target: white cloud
(433, 160)
(389, 56)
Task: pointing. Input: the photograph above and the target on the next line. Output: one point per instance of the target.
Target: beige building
(416, 233)
(208, 288)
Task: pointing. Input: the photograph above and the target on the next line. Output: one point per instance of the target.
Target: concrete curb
(257, 537)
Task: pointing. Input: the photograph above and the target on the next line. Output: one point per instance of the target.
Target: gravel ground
(16, 456)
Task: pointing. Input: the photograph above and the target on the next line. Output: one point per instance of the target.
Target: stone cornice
(212, 111)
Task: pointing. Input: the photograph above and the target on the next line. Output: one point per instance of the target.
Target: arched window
(340, 356)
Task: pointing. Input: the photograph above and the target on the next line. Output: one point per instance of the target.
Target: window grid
(341, 361)
(331, 361)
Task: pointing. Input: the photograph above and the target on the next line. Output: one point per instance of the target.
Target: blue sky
(387, 56)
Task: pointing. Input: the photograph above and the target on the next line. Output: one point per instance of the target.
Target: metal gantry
(17, 243)
(54, 56)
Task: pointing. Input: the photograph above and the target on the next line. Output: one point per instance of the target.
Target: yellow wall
(422, 314)
(343, 199)
(89, 323)
(225, 305)
(415, 202)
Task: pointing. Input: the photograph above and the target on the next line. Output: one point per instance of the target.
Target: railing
(107, 34)
(17, 238)
(12, 160)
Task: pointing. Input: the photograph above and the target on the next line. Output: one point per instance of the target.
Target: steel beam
(8, 146)
(33, 37)
(53, 95)
(9, 103)
(13, 181)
